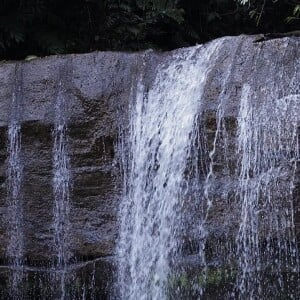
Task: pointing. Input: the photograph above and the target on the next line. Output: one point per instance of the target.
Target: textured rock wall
(98, 90)
(96, 85)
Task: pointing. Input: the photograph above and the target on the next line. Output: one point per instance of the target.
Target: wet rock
(98, 89)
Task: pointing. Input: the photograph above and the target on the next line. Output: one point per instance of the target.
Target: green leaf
(296, 11)
(290, 19)
(252, 13)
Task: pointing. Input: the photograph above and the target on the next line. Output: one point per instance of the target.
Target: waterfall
(268, 144)
(61, 189)
(163, 124)
(161, 157)
(15, 249)
(209, 158)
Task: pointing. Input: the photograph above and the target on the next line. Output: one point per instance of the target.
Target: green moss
(213, 278)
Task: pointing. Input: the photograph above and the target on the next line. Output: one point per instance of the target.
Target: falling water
(220, 138)
(269, 150)
(61, 186)
(15, 249)
(162, 127)
(168, 144)
(16, 241)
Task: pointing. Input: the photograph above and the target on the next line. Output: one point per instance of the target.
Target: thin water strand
(15, 249)
(61, 189)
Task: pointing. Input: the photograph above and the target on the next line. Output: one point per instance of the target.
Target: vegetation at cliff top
(43, 27)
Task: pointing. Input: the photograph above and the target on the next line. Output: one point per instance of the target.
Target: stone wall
(98, 89)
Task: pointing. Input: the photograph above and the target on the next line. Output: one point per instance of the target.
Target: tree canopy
(43, 27)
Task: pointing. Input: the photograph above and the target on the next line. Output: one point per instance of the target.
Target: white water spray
(162, 130)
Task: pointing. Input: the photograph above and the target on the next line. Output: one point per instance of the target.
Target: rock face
(99, 88)
(97, 84)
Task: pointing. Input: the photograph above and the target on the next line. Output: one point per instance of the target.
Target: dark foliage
(43, 27)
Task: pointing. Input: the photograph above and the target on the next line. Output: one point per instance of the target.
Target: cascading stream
(162, 169)
(162, 130)
(61, 189)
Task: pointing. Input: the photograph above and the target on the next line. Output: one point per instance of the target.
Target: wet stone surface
(98, 90)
